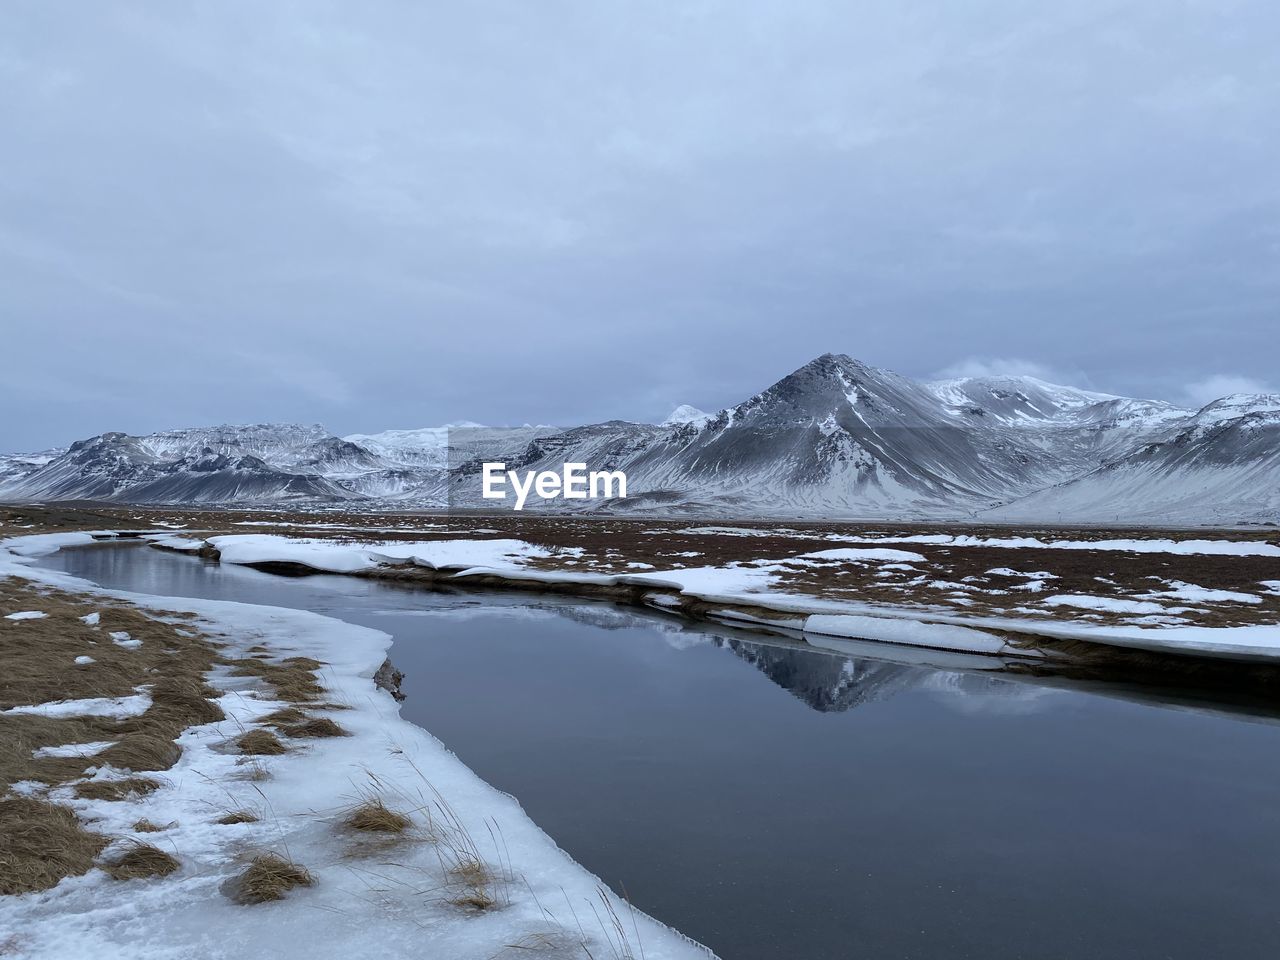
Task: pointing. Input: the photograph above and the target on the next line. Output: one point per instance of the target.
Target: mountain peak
(836, 361)
(1238, 405)
(685, 414)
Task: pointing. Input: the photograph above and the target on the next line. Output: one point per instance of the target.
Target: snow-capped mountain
(275, 442)
(1220, 465)
(685, 414)
(170, 468)
(1076, 429)
(835, 438)
(840, 438)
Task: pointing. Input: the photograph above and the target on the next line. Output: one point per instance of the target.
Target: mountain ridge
(834, 438)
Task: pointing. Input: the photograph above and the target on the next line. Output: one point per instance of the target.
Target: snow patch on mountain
(1220, 465)
(686, 414)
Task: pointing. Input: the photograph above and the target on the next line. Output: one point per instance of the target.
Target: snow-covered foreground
(755, 585)
(389, 901)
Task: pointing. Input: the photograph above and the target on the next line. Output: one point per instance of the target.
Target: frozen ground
(1197, 590)
(1167, 615)
(393, 899)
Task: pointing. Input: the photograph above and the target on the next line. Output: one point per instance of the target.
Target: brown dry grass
(237, 816)
(472, 885)
(260, 743)
(284, 717)
(141, 751)
(268, 877)
(292, 680)
(39, 654)
(184, 700)
(315, 727)
(40, 843)
(250, 770)
(146, 826)
(38, 658)
(126, 789)
(375, 816)
(140, 861)
(21, 735)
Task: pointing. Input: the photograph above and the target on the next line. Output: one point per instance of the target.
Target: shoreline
(1021, 648)
(796, 615)
(529, 889)
(1026, 644)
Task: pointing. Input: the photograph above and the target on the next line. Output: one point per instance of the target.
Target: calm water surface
(773, 801)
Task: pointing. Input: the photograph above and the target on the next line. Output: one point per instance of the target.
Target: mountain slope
(175, 468)
(1075, 429)
(1220, 466)
(836, 438)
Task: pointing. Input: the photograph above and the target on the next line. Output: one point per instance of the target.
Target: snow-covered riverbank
(392, 899)
(751, 591)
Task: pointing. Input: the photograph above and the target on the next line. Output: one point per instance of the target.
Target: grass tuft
(140, 861)
(302, 688)
(185, 701)
(250, 770)
(260, 743)
(315, 727)
(40, 843)
(269, 877)
(146, 826)
(141, 751)
(237, 816)
(294, 680)
(285, 716)
(473, 885)
(374, 816)
(116, 789)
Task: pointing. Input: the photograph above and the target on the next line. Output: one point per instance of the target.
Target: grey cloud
(397, 215)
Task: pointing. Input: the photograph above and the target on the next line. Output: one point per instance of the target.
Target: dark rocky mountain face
(835, 438)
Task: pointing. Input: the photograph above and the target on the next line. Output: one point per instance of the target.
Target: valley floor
(1211, 593)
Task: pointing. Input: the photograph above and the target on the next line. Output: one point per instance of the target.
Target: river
(773, 800)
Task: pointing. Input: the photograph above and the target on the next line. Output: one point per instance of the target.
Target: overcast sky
(378, 215)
